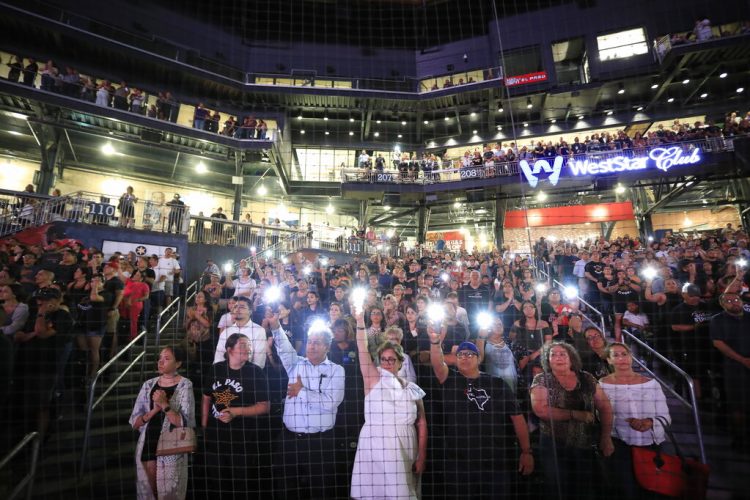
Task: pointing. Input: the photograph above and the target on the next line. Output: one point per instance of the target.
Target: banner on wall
(109, 247)
(563, 216)
(452, 241)
(525, 79)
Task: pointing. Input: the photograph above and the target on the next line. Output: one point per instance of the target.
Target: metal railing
(544, 270)
(452, 170)
(215, 231)
(162, 324)
(692, 404)
(28, 480)
(21, 209)
(92, 404)
(190, 293)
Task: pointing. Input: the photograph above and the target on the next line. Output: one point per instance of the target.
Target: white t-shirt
(225, 321)
(157, 285)
(245, 288)
(257, 336)
(168, 266)
(639, 319)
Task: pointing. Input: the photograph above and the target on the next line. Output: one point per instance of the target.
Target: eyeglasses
(465, 354)
(388, 360)
(591, 338)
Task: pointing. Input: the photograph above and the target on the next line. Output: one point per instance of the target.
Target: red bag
(670, 475)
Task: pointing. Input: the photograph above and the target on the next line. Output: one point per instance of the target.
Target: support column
(51, 152)
(742, 190)
(362, 218)
(500, 209)
(237, 181)
(645, 227)
(424, 216)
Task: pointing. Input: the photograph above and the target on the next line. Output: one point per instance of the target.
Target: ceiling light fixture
(262, 190)
(351, 133)
(499, 127)
(639, 108)
(351, 119)
(525, 124)
(200, 168)
(446, 118)
(108, 149)
(328, 133)
(377, 134)
(621, 88)
(686, 81)
(473, 114)
(704, 95)
(528, 103)
(403, 122)
(426, 122)
(302, 131)
(740, 90)
(671, 99)
(723, 74)
(500, 109)
(400, 136)
(609, 113)
(654, 86)
(554, 120)
(378, 122)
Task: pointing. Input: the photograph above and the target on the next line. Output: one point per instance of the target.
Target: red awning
(561, 216)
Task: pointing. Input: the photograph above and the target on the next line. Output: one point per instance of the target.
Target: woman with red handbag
(640, 411)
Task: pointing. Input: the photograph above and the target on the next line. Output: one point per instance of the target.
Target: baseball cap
(468, 346)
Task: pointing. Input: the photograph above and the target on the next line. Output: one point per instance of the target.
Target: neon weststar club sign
(660, 158)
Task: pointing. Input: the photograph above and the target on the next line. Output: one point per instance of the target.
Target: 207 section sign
(539, 76)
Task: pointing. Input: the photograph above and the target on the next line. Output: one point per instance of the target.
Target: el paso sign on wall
(661, 158)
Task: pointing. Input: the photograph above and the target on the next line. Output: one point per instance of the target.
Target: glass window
(622, 44)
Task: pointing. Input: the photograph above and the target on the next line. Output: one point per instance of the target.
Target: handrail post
(688, 379)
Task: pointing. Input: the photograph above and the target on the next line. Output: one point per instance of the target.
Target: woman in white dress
(393, 442)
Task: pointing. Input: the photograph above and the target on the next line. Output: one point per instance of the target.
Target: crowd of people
(103, 92)
(496, 159)
(436, 375)
(452, 373)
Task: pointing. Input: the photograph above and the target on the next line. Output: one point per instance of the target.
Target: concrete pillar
(51, 152)
(500, 209)
(237, 181)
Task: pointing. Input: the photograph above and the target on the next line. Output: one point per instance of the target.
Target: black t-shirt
(733, 331)
(64, 272)
(474, 300)
(596, 269)
(92, 316)
(699, 316)
(625, 294)
(478, 431)
(112, 286)
(44, 352)
(235, 388)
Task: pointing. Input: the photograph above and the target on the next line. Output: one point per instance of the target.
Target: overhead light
(386, 208)
(328, 133)
(200, 168)
(329, 209)
(302, 131)
(621, 89)
(20, 116)
(403, 122)
(351, 119)
(671, 99)
(378, 122)
(400, 136)
(654, 86)
(639, 108)
(446, 118)
(351, 133)
(457, 204)
(686, 81)
(377, 134)
(325, 118)
(473, 114)
(500, 109)
(528, 103)
(580, 117)
(704, 95)
(426, 122)
(13, 132)
(554, 120)
(609, 113)
(723, 74)
(740, 90)
(108, 149)
(262, 190)
(499, 127)
(541, 196)
(299, 117)
(474, 132)
(525, 124)
(619, 189)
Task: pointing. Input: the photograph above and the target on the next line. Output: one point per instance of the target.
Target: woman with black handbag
(640, 410)
(163, 403)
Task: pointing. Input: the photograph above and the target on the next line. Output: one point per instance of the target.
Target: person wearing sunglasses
(392, 444)
(477, 458)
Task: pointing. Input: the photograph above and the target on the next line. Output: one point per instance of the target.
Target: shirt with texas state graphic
(477, 429)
